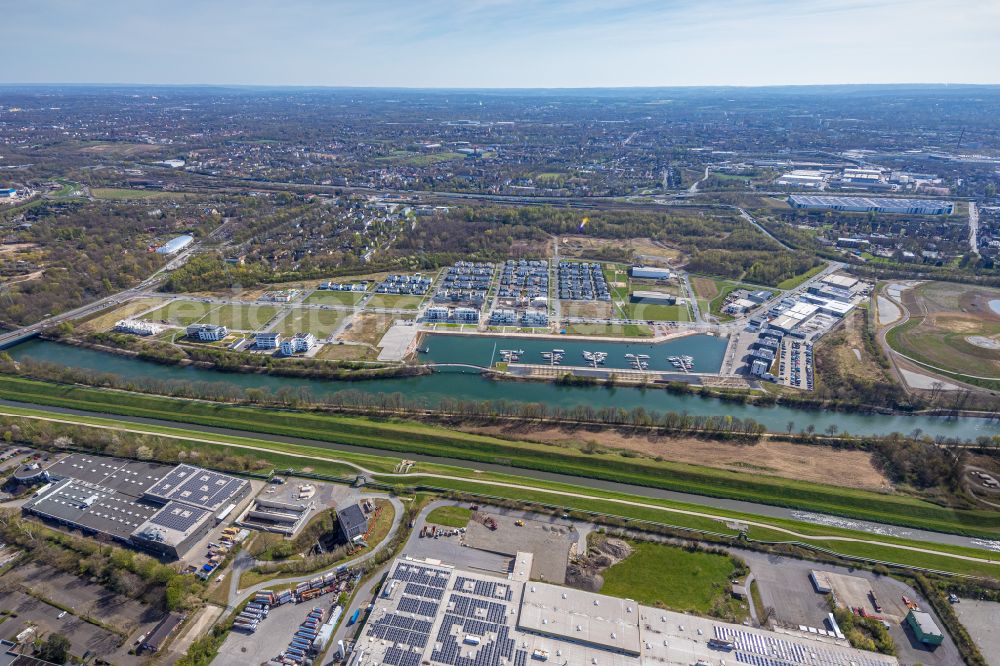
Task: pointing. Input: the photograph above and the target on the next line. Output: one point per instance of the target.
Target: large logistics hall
(429, 613)
(154, 507)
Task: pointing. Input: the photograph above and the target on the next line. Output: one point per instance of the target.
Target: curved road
(236, 595)
(763, 510)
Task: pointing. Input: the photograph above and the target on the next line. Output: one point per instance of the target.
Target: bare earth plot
(105, 321)
(808, 463)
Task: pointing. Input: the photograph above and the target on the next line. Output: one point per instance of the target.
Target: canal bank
(430, 390)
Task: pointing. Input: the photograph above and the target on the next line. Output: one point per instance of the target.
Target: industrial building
(924, 627)
(872, 204)
(206, 332)
(150, 506)
(175, 245)
(429, 613)
(652, 297)
(352, 521)
(651, 273)
(268, 515)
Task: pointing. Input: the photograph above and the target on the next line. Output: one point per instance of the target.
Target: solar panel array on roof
(178, 516)
(126, 476)
(193, 485)
(763, 650)
(470, 616)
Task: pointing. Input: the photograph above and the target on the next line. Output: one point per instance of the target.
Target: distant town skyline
(501, 43)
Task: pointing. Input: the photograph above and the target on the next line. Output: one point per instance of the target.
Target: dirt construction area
(549, 543)
(854, 591)
(951, 326)
(818, 464)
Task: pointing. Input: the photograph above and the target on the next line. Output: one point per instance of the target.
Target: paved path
(733, 505)
(397, 520)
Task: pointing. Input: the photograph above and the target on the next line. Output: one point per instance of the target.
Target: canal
(470, 385)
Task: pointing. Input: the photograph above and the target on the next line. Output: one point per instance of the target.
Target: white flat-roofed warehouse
(433, 614)
(873, 204)
(651, 272)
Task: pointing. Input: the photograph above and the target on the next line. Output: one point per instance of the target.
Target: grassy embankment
(572, 496)
(673, 577)
(424, 439)
(450, 516)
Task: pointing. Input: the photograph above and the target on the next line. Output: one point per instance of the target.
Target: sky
(500, 43)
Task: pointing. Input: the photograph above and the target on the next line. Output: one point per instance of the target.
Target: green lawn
(671, 577)
(334, 297)
(242, 317)
(611, 330)
(407, 437)
(320, 323)
(450, 516)
(180, 313)
(657, 312)
(319, 457)
(398, 301)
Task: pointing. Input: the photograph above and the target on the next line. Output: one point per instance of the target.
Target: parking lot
(549, 542)
(795, 366)
(273, 635)
(83, 636)
(980, 618)
(784, 585)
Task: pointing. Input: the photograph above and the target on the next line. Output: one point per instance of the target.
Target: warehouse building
(437, 615)
(924, 628)
(650, 273)
(352, 521)
(653, 297)
(175, 245)
(146, 505)
(872, 204)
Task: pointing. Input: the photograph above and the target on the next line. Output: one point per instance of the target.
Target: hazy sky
(500, 43)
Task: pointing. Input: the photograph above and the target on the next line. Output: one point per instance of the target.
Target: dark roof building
(154, 507)
(353, 521)
(159, 635)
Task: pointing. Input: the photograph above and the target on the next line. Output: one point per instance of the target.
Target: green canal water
(470, 385)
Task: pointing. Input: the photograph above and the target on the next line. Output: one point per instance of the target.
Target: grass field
(397, 301)
(180, 313)
(320, 323)
(671, 577)
(334, 297)
(409, 437)
(611, 330)
(657, 312)
(951, 327)
(793, 282)
(317, 458)
(241, 317)
(121, 194)
(450, 516)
